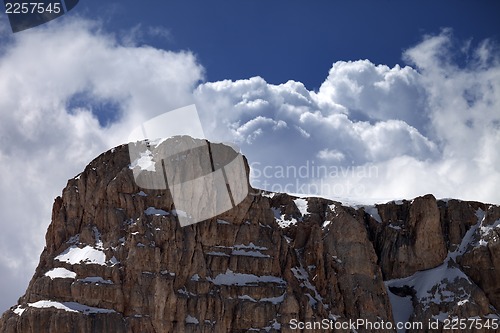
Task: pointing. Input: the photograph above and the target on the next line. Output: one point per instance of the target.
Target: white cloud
(45, 139)
(430, 128)
(376, 93)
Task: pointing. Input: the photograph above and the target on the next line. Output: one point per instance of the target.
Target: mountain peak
(118, 258)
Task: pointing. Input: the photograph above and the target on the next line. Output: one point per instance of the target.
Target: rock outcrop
(117, 260)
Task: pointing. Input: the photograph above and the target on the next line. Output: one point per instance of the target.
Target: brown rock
(409, 237)
(117, 260)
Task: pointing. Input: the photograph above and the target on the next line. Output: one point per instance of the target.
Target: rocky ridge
(117, 260)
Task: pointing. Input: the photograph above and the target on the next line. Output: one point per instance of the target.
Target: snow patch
(247, 298)
(268, 194)
(113, 261)
(303, 277)
(402, 307)
(155, 211)
(274, 300)
(87, 255)
(486, 229)
(257, 254)
(70, 307)
(229, 278)
(166, 272)
(61, 273)
(192, 320)
(302, 205)
(431, 285)
(145, 162)
(249, 246)
(280, 219)
(18, 310)
(95, 279)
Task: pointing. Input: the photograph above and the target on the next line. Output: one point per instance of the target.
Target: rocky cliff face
(117, 260)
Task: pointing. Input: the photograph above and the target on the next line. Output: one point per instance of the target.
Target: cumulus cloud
(372, 132)
(375, 92)
(54, 81)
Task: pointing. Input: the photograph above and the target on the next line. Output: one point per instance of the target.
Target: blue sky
(372, 100)
(299, 40)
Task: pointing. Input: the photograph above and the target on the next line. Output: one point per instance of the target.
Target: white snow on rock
(267, 194)
(257, 254)
(431, 285)
(192, 320)
(303, 277)
(247, 298)
(60, 272)
(302, 205)
(113, 261)
(402, 308)
(95, 279)
(240, 279)
(333, 208)
(18, 310)
(274, 300)
(280, 219)
(469, 235)
(251, 246)
(155, 211)
(70, 307)
(145, 162)
(487, 229)
(166, 272)
(325, 224)
(424, 282)
(87, 255)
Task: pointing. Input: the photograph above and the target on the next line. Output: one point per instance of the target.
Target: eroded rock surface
(117, 260)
